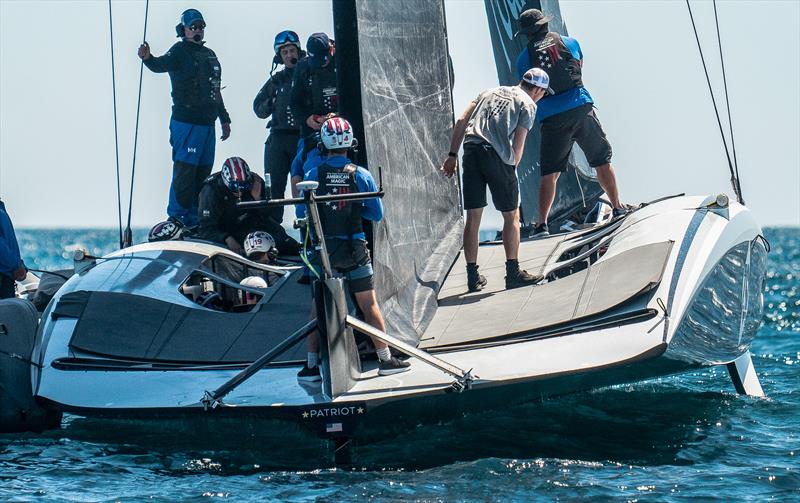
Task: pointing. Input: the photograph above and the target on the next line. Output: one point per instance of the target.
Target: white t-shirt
(498, 112)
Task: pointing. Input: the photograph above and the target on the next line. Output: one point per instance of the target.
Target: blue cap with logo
(318, 49)
(189, 16)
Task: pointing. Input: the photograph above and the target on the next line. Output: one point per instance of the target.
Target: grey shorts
(350, 260)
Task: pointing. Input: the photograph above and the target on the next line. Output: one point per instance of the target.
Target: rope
(728, 105)
(116, 135)
(128, 234)
(716, 110)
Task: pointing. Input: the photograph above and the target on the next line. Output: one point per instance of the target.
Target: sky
(641, 65)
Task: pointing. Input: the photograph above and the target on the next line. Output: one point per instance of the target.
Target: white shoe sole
(309, 378)
(388, 372)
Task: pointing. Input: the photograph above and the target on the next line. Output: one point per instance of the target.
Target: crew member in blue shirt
(345, 238)
(567, 116)
(12, 268)
(196, 76)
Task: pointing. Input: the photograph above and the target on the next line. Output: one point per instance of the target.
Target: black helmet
(167, 230)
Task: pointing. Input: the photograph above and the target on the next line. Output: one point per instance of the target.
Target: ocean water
(689, 437)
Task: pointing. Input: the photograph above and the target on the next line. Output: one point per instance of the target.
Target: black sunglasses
(197, 27)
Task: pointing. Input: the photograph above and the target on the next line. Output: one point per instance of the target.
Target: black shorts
(481, 167)
(561, 131)
(350, 260)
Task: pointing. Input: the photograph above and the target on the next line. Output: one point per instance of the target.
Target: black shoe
(526, 231)
(308, 374)
(522, 278)
(392, 366)
(540, 231)
(475, 280)
(619, 212)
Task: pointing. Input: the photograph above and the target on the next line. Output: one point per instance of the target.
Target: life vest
(552, 55)
(339, 218)
(202, 87)
(324, 89)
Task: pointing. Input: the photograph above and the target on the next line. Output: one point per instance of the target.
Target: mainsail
(578, 189)
(395, 56)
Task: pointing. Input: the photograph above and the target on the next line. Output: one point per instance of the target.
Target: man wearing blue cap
(315, 92)
(284, 131)
(196, 75)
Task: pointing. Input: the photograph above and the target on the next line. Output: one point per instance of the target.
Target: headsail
(577, 188)
(406, 105)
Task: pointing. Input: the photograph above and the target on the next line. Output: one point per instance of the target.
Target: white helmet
(336, 133)
(254, 282)
(259, 241)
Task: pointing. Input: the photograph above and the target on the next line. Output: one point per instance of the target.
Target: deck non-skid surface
(463, 317)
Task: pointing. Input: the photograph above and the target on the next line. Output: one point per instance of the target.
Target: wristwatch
(452, 154)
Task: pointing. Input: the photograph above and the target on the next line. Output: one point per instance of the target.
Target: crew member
(12, 268)
(195, 74)
(345, 239)
(259, 246)
(222, 222)
(284, 131)
(493, 129)
(566, 117)
(315, 93)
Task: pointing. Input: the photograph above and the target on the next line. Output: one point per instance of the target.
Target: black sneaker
(308, 374)
(392, 366)
(619, 212)
(522, 278)
(540, 231)
(475, 280)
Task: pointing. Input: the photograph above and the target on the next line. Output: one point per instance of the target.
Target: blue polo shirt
(552, 105)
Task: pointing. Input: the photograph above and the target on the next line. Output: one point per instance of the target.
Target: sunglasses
(197, 27)
(285, 37)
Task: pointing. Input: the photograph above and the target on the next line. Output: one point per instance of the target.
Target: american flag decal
(333, 428)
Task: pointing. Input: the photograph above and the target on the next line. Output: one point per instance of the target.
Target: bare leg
(547, 194)
(471, 231)
(368, 304)
(510, 234)
(608, 181)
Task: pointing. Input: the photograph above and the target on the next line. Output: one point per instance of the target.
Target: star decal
(305, 415)
(360, 410)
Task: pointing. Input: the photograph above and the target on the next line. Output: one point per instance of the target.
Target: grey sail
(397, 59)
(578, 189)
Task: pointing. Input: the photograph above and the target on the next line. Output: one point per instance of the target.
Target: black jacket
(196, 75)
(219, 217)
(274, 99)
(314, 92)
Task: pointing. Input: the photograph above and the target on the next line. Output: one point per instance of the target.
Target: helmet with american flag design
(236, 174)
(336, 134)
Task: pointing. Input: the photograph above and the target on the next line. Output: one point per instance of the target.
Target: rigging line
(714, 101)
(116, 134)
(728, 105)
(128, 234)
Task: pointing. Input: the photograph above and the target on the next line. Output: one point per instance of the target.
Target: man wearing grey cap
(493, 129)
(567, 116)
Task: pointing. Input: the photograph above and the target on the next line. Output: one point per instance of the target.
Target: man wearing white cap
(493, 129)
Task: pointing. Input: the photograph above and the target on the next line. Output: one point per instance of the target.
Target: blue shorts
(192, 143)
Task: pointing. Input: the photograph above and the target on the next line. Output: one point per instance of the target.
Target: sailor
(315, 92)
(493, 129)
(284, 131)
(259, 246)
(252, 282)
(566, 117)
(222, 222)
(345, 238)
(195, 74)
(12, 268)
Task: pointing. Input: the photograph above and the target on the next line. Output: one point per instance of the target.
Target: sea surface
(681, 438)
